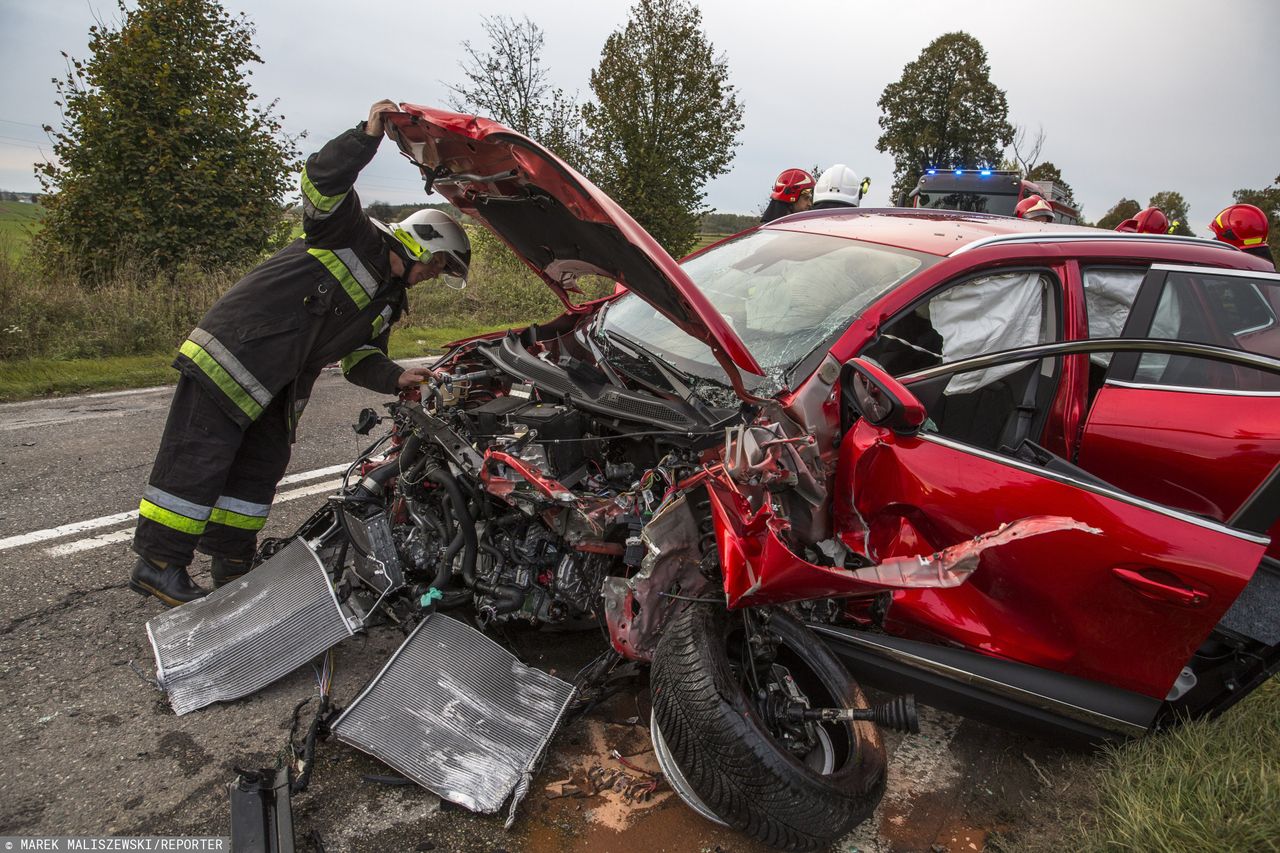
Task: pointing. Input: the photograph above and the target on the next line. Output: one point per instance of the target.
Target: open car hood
(557, 221)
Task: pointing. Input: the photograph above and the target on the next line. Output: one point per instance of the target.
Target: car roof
(947, 232)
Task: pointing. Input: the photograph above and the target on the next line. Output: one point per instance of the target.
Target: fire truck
(987, 191)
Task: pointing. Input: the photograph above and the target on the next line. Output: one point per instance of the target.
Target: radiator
(459, 715)
(249, 633)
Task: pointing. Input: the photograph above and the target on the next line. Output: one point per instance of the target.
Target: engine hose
(441, 527)
(466, 526)
(415, 473)
(507, 598)
(446, 561)
(372, 483)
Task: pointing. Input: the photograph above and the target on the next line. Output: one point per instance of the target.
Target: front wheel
(794, 786)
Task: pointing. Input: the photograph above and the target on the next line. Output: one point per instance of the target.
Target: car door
(1181, 430)
(1124, 601)
(989, 309)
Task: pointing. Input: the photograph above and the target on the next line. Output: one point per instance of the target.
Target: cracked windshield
(782, 292)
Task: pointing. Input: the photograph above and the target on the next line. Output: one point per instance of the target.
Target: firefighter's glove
(375, 125)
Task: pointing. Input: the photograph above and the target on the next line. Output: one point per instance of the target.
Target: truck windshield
(1002, 204)
(783, 292)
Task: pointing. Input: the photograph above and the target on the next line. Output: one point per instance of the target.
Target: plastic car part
(250, 632)
(459, 715)
(261, 812)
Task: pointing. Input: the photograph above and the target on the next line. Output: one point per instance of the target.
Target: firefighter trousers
(213, 481)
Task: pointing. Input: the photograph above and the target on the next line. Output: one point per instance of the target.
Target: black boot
(171, 584)
(224, 570)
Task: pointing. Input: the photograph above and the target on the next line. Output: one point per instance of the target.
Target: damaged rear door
(1123, 593)
(1209, 428)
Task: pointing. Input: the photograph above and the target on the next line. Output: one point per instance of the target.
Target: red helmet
(1242, 225)
(1034, 207)
(1150, 220)
(790, 184)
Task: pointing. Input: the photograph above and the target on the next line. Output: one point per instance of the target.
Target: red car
(1028, 470)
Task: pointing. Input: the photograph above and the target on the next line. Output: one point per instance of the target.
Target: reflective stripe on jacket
(326, 296)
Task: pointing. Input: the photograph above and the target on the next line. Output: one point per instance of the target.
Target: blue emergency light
(986, 173)
(959, 171)
(931, 171)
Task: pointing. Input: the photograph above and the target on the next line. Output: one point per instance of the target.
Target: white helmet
(839, 186)
(430, 232)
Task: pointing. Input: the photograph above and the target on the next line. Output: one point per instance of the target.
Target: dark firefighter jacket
(327, 296)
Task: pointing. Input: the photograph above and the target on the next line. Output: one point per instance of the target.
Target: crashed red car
(1026, 471)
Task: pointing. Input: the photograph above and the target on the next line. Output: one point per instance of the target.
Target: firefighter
(1034, 208)
(248, 369)
(1149, 220)
(839, 187)
(792, 193)
(1245, 227)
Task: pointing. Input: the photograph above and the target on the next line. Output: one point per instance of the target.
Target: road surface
(89, 747)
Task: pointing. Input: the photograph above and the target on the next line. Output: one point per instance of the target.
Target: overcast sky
(1134, 96)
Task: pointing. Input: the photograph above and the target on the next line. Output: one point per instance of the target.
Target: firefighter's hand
(412, 376)
(375, 125)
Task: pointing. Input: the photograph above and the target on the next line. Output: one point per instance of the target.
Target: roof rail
(1041, 237)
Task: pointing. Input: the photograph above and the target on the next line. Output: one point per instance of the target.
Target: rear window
(1216, 308)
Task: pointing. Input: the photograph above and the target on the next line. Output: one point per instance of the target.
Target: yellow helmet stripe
(416, 249)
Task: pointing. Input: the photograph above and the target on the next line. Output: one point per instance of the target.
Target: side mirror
(871, 393)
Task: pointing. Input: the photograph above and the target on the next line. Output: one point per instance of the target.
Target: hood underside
(557, 221)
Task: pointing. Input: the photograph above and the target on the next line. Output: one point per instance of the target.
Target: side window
(979, 315)
(1212, 307)
(984, 314)
(1108, 296)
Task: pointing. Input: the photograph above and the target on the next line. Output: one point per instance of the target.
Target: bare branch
(1027, 152)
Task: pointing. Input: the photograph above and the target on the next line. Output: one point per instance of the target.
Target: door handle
(1167, 588)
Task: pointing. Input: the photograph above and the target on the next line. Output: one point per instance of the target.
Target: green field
(18, 221)
(705, 240)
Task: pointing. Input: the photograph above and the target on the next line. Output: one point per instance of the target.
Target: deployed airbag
(989, 314)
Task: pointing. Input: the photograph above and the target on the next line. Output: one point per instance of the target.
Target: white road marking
(110, 520)
(65, 530)
(314, 489)
(311, 475)
(132, 392)
(99, 395)
(90, 543)
(124, 535)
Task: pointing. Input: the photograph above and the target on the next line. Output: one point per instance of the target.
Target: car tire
(723, 751)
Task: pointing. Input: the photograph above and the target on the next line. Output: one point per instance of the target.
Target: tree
(1125, 208)
(508, 83)
(665, 119)
(943, 112)
(162, 156)
(1268, 200)
(1176, 208)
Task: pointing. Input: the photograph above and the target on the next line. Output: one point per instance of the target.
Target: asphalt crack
(65, 603)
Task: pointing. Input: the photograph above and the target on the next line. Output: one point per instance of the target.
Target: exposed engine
(525, 481)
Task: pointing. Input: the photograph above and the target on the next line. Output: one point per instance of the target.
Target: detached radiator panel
(458, 714)
(249, 633)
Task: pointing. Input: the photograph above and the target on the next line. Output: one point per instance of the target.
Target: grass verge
(22, 379)
(1209, 785)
